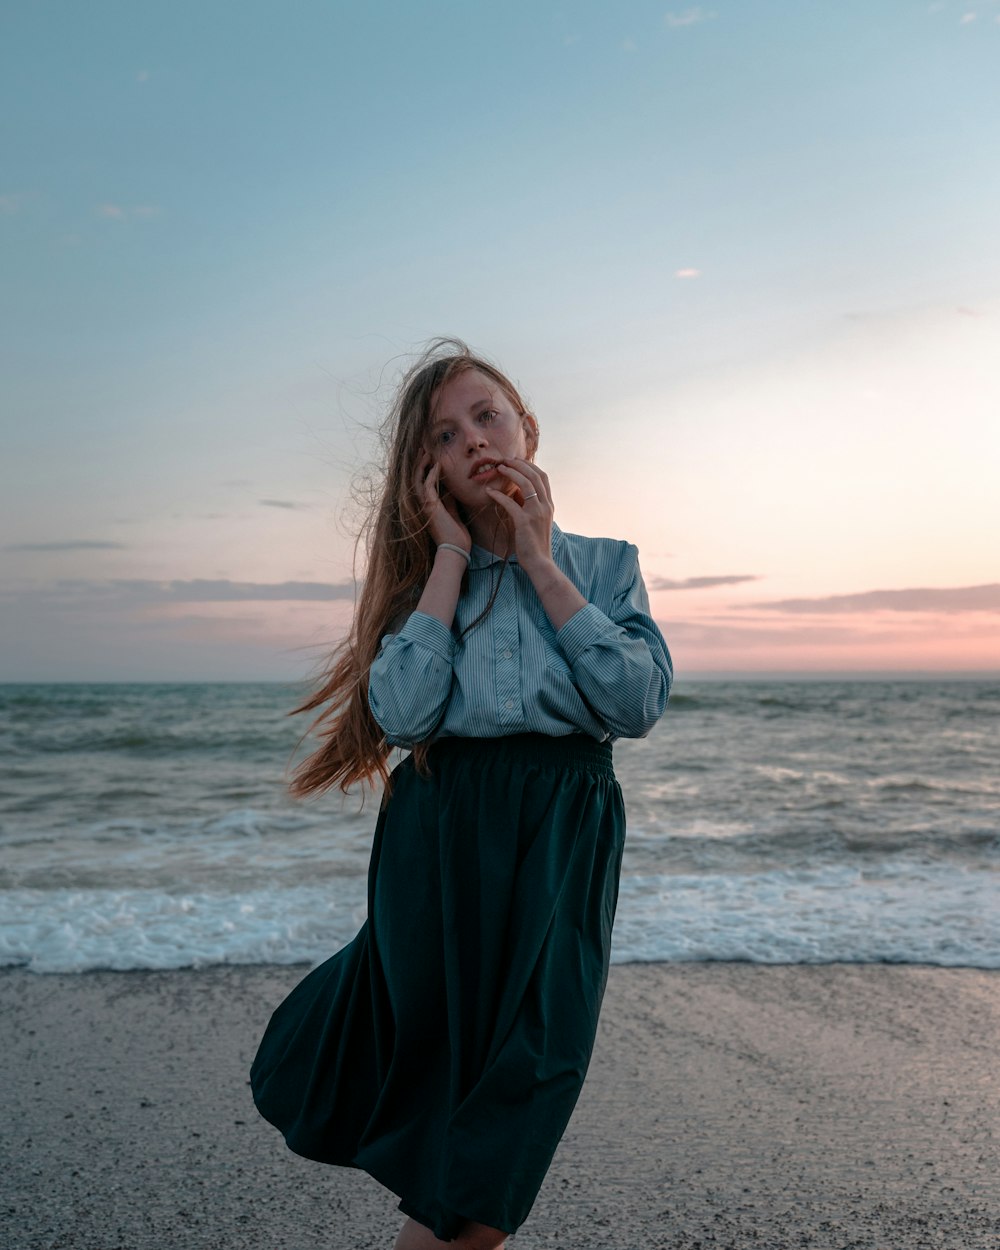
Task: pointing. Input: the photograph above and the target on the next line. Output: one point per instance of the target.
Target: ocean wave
(123, 930)
(132, 741)
(899, 912)
(732, 849)
(685, 702)
(149, 826)
(251, 847)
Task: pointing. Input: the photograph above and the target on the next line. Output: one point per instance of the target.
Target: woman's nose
(475, 441)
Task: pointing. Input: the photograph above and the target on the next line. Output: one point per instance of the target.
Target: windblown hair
(399, 553)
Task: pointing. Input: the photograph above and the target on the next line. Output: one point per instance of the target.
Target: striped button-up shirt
(606, 672)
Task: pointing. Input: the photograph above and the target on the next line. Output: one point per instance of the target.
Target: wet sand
(728, 1107)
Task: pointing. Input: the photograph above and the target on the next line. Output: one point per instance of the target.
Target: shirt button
(509, 704)
(507, 655)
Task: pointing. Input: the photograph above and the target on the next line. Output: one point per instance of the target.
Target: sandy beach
(840, 1107)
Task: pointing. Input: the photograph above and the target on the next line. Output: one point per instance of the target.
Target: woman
(443, 1050)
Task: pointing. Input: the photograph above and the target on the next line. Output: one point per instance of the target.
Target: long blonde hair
(399, 554)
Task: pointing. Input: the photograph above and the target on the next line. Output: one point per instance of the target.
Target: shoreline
(727, 1105)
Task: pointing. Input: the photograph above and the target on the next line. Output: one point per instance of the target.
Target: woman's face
(473, 425)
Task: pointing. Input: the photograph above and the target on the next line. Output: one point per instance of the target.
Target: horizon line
(720, 674)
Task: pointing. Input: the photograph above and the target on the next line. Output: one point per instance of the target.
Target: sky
(742, 259)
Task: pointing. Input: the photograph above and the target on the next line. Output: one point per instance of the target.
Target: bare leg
(414, 1236)
(480, 1237)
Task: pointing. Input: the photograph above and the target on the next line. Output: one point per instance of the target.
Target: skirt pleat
(443, 1050)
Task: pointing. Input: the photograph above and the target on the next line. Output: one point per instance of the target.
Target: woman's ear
(530, 434)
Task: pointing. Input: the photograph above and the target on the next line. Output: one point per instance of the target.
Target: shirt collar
(482, 559)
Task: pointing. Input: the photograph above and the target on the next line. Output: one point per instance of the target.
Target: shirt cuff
(427, 631)
(582, 630)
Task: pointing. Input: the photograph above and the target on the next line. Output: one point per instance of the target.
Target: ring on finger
(533, 495)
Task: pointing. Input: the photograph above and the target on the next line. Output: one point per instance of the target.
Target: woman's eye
(445, 437)
(489, 415)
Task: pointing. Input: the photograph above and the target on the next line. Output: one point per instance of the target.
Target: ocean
(147, 826)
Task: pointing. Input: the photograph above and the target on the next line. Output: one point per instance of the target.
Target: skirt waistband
(576, 751)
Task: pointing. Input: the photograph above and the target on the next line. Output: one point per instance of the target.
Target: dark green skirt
(444, 1049)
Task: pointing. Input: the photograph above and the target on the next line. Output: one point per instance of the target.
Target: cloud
(966, 18)
(280, 503)
(121, 212)
(629, 45)
(687, 273)
(984, 598)
(204, 590)
(882, 644)
(682, 634)
(142, 592)
(701, 583)
(688, 17)
(81, 544)
(11, 204)
(142, 75)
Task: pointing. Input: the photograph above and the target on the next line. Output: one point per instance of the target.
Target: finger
(429, 485)
(532, 473)
(529, 488)
(520, 480)
(505, 502)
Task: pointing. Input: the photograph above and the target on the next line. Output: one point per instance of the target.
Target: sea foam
(895, 912)
(147, 826)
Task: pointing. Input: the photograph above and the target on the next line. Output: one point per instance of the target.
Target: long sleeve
(502, 669)
(619, 659)
(410, 681)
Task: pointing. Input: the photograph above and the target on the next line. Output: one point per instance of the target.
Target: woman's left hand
(531, 513)
(530, 510)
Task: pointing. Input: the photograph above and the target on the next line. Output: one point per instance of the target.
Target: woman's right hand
(445, 525)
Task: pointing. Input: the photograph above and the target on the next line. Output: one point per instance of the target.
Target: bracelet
(454, 547)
